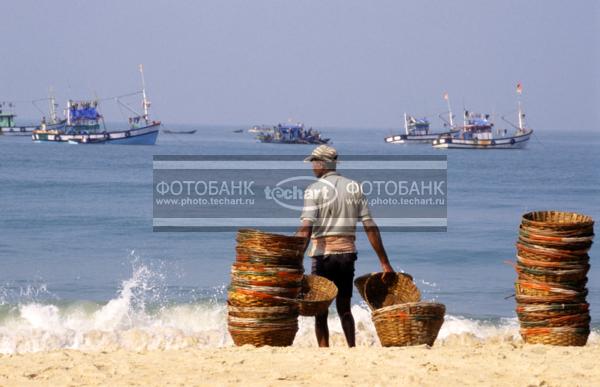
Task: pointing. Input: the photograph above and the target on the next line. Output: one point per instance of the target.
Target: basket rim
(408, 305)
(586, 220)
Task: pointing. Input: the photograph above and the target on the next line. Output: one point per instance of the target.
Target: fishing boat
(292, 134)
(85, 125)
(258, 129)
(417, 130)
(478, 132)
(7, 122)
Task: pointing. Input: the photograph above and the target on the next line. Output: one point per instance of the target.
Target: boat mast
(69, 112)
(519, 109)
(52, 106)
(145, 102)
(405, 124)
(450, 119)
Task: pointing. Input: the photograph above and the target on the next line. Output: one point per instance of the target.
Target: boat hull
(416, 139)
(146, 135)
(18, 130)
(515, 142)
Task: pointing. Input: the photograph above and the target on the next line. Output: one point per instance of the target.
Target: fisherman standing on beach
(332, 207)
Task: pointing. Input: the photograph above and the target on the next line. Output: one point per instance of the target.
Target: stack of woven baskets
(552, 266)
(399, 317)
(265, 281)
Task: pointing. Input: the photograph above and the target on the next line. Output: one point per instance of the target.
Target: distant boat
(477, 132)
(7, 122)
(85, 125)
(257, 129)
(179, 131)
(417, 130)
(292, 134)
(238, 131)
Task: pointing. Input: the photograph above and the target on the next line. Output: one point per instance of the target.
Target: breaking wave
(138, 319)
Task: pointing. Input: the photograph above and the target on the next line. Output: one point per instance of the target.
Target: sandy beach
(459, 360)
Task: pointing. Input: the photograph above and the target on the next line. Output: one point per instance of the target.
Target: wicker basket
(414, 323)
(587, 231)
(360, 283)
(397, 288)
(565, 336)
(246, 297)
(572, 321)
(262, 311)
(265, 336)
(546, 236)
(530, 251)
(576, 247)
(556, 220)
(316, 295)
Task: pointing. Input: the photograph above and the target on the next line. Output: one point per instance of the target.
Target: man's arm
(375, 239)
(305, 231)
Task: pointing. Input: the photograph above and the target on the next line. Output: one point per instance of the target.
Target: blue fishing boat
(292, 134)
(85, 125)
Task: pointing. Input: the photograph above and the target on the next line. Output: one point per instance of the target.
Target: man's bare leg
(345, 313)
(322, 330)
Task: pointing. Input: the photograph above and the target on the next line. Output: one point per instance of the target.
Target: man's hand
(375, 239)
(305, 231)
(387, 272)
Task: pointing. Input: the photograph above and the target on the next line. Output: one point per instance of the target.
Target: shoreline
(458, 360)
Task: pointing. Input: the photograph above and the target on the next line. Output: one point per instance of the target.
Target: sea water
(81, 267)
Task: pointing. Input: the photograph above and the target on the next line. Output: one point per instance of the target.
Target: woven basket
(262, 337)
(564, 336)
(546, 289)
(557, 276)
(397, 288)
(571, 321)
(577, 247)
(262, 311)
(530, 251)
(270, 244)
(245, 297)
(414, 323)
(550, 265)
(275, 322)
(360, 283)
(583, 232)
(552, 251)
(554, 309)
(316, 295)
(545, 236)
(556, 220)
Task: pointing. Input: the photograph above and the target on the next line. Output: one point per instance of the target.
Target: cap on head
(323, 153)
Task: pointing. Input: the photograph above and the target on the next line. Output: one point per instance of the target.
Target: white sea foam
(125, 322)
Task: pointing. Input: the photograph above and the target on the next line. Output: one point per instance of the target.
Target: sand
(460, 360)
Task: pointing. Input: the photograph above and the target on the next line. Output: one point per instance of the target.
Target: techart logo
(289, 193)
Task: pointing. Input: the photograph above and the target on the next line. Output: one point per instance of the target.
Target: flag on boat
(445, 96)
(519, 88)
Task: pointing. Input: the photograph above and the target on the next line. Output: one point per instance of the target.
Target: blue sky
(330, 63)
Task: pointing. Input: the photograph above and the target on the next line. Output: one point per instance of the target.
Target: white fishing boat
(417, 130)
(85, 125)
(478, 132)
(261, 129)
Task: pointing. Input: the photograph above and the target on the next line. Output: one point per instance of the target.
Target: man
(332, 207)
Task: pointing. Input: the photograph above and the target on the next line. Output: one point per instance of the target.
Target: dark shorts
(338, 268)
